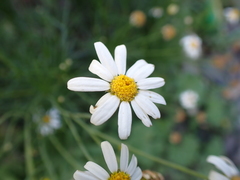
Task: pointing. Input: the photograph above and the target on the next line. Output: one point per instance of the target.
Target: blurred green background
(44, 43)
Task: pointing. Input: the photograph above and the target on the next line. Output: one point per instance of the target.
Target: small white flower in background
(188, 99)
(124, 172)
(49, 122)
(172, 9)
(188, 20)
(229, 170)
(123, 88)
(156, 12)
(192, 46)
(231, 15)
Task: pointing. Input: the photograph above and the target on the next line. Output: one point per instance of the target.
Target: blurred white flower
(172, 9)
(156, 12)
(230, 171)
(49, 122)
(192, 46)
(124, 172)
(188, 99)
(231, 15)
(123, 88)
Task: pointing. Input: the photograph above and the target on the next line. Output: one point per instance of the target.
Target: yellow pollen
(46, 119)
(194, 44)
(235, 178)
(124, 88)
(119, 176)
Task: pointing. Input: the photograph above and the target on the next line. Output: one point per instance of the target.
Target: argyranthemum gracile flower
(124, 172)
(123, 88)
(230, 171)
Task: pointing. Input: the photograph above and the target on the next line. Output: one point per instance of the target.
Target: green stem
(63, 152)
(47, 162)
(28, 151)
(78, 139)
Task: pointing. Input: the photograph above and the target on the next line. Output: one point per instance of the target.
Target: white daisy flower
(49, 122)
(125, 172)
(192, 46)
(230, 171)
(231, 15)
(123, 88)
(188, 99)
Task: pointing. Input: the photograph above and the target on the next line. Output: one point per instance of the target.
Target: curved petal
(233, 169)
(86, 84)
(103, 112)
(150, 83)
(154, 97)
(124, 158)
(79, 175)
(220, 164)
(96, 170)
(97, 68)
(135, 67)
(106, 58)
(101, 101)
(213, 175)
(143, 72)
(141, 114)
(147, 106)
(132, 166)
(137, 175)
(120, 55)
(109, 156)
(124, 120)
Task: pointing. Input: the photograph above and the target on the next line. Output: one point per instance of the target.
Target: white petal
(220, 164)
(150, 83)
(137, 175)
(232, 168)
(124, 158)
(97, 68)
(154, 97)
(96, 170)
(135, 67)
(87, 84)
(132, 166)
(101, 101)
(79, 175)
(141, 114)
(106, 58)
(147, 106)
(103, 112)
(120, 55)
(109, 156)
(213, 175)
(124, 120)
(143, 72)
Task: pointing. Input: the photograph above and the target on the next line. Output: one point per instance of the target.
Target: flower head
(230, 171)
(49, 122)
(192, 46)
(137, 18)
(123, 88)
(123, 172)
(231, 15)
(189, 99)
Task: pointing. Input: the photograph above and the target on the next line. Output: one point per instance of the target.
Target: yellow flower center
(235, 178)
(119, 176)
(124, 88)
(46, 119)
(194, 44)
